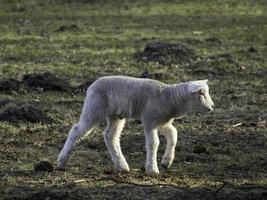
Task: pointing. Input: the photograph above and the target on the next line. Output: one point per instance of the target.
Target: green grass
(79, 41)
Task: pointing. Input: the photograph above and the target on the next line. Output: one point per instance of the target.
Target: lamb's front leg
(170, 133)
(152, 143)
(112, 140)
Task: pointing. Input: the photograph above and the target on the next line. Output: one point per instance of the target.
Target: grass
(78, 40)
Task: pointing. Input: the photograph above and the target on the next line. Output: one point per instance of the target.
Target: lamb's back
(121, 85)
(127, 96)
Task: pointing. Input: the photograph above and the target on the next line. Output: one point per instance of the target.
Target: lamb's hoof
(152, 171)
(165, 166)
(152, 174)
(166, 163)
(123, 169)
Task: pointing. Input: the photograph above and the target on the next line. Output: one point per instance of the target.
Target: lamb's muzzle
(154, 103)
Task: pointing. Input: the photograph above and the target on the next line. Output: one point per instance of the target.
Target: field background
(220, 155)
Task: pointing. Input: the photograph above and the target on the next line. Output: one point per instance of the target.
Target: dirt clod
(48, 195)
(252, 50)
(9, 85)
(165, 53)
(213, 40)
(4, 102)
(86, 84)
(71, 27)
(25, 113)
(189, 158)
(46, 81)
(234, 168)
(199, 149)
(157, 76)
(193, 41)
(222, 57)
(44, 166)
(216, 65)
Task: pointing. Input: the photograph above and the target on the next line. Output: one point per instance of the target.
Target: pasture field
(50, 51)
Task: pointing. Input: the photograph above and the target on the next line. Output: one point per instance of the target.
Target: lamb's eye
(201, 93)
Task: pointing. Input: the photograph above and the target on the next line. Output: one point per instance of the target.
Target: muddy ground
(51, 51)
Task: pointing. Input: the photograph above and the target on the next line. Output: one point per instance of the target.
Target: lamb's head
(199, 97)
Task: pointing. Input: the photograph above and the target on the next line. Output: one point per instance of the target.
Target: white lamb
(154, 103)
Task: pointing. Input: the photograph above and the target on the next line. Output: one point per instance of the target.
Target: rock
(165, 53)
(25, 113)
(44, 166)
(46, 81)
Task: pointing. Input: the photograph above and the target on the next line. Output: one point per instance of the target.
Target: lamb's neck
(178, 98)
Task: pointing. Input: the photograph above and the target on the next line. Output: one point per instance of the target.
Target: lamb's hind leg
(92, 112)
(170, 133)
(76, 134)
(112, 140)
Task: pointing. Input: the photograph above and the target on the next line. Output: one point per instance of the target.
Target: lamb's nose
(212, 108)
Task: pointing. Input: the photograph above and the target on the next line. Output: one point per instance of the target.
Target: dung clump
(45, 81)
(44, 166)
(25, 113)
(165, 53)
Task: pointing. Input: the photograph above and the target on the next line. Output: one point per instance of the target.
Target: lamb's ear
(194, 87)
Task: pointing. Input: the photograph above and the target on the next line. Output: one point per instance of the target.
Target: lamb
(154, 103)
